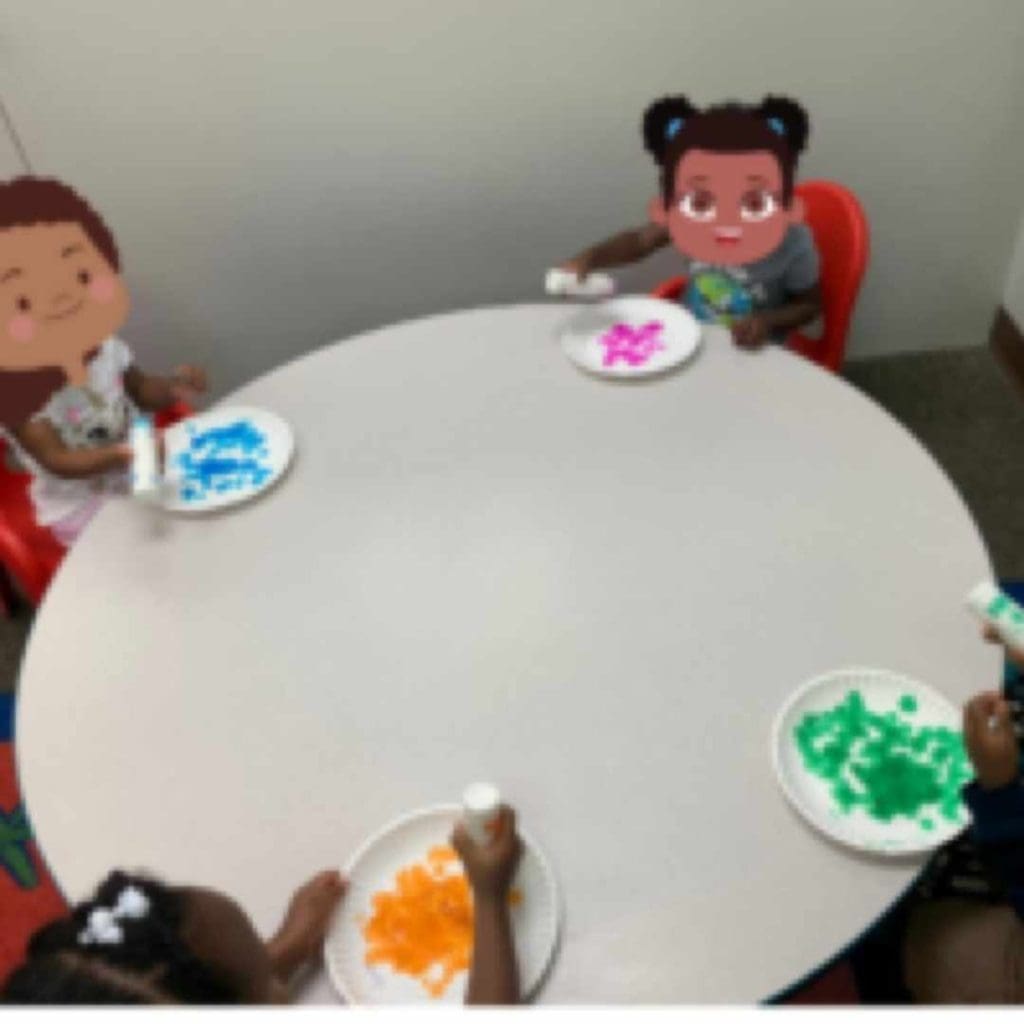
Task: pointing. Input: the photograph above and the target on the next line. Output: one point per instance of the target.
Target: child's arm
(625, 247)
(151, 394)
(299, 941)
(752, 331)
(996, 797)
(493, 972)
(1015, 654)
(44, 444)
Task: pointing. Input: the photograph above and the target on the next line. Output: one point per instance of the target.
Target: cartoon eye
(758, 205)
(84, 277)
(23, 304)
(698, 205)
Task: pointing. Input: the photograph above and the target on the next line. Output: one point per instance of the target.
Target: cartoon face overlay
(726, 208)
(59, 298)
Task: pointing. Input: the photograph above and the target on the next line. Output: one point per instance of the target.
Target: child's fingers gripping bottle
(481, 812)
(1000, 612)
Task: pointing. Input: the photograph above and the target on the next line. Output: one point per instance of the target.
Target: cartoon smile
(728, 236)
(70, 311)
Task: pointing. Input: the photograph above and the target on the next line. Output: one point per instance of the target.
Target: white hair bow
(102, 928)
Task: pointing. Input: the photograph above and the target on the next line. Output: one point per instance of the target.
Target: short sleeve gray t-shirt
(723, 294)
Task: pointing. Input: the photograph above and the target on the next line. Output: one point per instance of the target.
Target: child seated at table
(68, 384)
(972, 951)
(726, 203)
(139, 941)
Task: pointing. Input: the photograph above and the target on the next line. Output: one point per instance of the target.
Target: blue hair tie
(776, 125)
(674, 126)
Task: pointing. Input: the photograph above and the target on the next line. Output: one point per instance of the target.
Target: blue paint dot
(222, 460)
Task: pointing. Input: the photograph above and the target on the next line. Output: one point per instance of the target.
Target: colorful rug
(28, 897)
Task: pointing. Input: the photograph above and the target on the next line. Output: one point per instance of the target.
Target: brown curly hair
(673, 125)
(29, 200)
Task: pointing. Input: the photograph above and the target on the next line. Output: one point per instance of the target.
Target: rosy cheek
(102, 288)
(21, 327)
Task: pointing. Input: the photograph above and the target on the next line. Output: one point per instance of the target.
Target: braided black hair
(151, 965)
(673, 125)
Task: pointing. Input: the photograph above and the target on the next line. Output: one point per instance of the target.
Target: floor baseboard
(1006, 340)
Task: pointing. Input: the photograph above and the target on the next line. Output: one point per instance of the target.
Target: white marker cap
(557, 280)
(981, 597)
(481, 803)
(594, 286)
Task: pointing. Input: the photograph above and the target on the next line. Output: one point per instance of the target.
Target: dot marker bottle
(999, 611)
(481, 808)
(563, 282)
(145, 463)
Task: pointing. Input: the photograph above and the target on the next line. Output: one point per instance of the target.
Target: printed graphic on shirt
(85, 419)
(95, 414)
(716, 297)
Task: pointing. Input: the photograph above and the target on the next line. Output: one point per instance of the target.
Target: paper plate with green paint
(873, 759)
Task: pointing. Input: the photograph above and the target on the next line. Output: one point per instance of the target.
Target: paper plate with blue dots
(224, 457)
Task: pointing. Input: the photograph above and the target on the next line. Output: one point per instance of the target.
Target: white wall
(1013, 294)
(10, 161)
(283, 173)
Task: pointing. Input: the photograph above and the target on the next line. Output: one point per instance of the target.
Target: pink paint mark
(74, 416)
(102, 288)
(21, 327)
(632, 345)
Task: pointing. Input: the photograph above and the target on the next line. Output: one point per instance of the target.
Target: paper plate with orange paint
(404, 932)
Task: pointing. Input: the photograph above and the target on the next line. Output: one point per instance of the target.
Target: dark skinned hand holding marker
(958, 951)
(493, 973)
(990, 740)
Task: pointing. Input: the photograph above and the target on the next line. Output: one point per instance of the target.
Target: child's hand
(490, 868)
(1015, 654)
(990, 740)
(302, 933)
(187, 382)
(123, 454)
(750, 332)
(579, 266)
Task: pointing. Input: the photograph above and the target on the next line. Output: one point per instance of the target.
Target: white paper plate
(812, 795)
(602, 338)
(253, 447)
(373, 868)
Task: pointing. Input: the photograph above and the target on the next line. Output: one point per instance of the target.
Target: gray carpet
(960, 405)
(964, 408)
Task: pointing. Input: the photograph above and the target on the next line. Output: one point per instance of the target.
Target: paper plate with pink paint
(631, 336)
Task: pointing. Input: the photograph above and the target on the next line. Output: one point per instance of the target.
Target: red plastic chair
(840, 230)
(30, 555)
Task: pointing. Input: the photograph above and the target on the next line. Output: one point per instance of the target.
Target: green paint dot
(882, 763)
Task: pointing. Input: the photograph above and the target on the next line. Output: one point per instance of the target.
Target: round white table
(486, 565)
